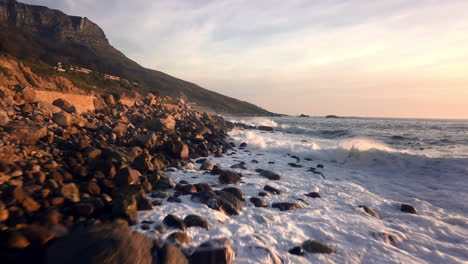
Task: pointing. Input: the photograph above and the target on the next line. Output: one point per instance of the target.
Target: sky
(386, 58)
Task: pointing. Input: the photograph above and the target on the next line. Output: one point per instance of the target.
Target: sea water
(379, 163)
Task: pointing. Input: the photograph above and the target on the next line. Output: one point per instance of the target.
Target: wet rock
(110, 243)
(175, 221)
(271, 189)
(174, 199)
(313, 195)
(217, 170)
(314, 246)
(186, 188)
(285, 206)
(265, 128)
(235, 191)
(217, 251)
(159, 194)
(179, 238)
(258, 202)
(206, 165)
(227, 203)
(229, 177)
(196, 220)
(203, 187)
(270, 175)
(239, 166)
(243, 145)
(299, 251)
(171, 254)
(263, 194)
(370, 211)
(408, 209)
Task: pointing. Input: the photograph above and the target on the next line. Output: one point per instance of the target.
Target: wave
(356, 151)
(254, 121)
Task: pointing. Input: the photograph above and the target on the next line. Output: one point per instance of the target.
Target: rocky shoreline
(70, 178)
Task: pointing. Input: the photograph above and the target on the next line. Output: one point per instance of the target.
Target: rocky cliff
(40, 34)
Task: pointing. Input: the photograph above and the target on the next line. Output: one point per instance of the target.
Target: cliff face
(52, 24)
(36, 33)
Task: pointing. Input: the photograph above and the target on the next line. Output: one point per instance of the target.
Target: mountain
(46, 36)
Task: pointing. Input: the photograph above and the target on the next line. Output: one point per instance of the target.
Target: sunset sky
(393, 58)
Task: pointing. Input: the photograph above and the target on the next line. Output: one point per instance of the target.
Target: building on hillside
(79, 69)
(111, 77)
(59, 67)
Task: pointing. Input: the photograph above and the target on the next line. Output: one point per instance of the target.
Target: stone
(28, 94)
(235, 191)
(270, 175)
(196, 220)
(178, 149)
(124, 204)
(64, 105)
(265, 128)
(84, 209)
(203, 187)
(92, 153)
(299, 251)
(38, 234)
(160, 194)
(206, 165)
(271, 189)
(4, 118)
(217, 251)
(143, 162)
(408, 209)
(179, 238)
(285, 206)
(229, 177)
(127, 176)
(105, 243)
(170, 254)
(63, 119)
(257, 202)
(13, 240)
(147, 141)
(160, 124)
(313, 195)
(91, 188)
(370, 211)
(227, 203)
(175, 221)
(70, 192)
(314, 246)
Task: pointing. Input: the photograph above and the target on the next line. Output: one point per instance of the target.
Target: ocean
(378, 163)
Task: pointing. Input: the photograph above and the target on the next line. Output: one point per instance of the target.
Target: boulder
(217, 251)
(270, 175)
(257, 202)
(229, 177)
(160, 124)
(127, 176)
(196, 220)
(235, 191)
(179, 238)
(271, 189)
(64, 105)
(175, 221)
(285, 206)
(265, 128)
(148, 141)
(4, 119)
(408, 209)
(314, 246)
(106, 243)
(63, 119)
(370, 211)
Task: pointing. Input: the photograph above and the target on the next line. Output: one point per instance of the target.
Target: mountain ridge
(41, 34)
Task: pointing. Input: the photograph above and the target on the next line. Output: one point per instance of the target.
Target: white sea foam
(254, 121)
(359, 171)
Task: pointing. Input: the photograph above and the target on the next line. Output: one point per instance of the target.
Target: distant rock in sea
(333, 116)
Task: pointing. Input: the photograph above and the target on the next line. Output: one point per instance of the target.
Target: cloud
(310, 51)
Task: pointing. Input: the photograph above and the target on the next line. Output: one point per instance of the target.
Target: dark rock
(203, 187)
(38, 234)
(270, 175)
(370, 211)
(243, 145)
(64, 105)
(165, 124)
(229, 177)
(265, 128)
(235, 191)
(214, 252)
(196, 220)
(170, 254)
(109, 243)
(271, 189)
(175, 221)
(91, 188)
(124, 205)
(285, 206)
(258, 202)
(320, 166)
(159, 194)
(84, 209)
(313, 195)
(127, 176)
(174, 199)
(206, 165)
(408, 209)
(313, 246)
(179, 238)
(263, 194)
(13, 240)
(299, 251)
